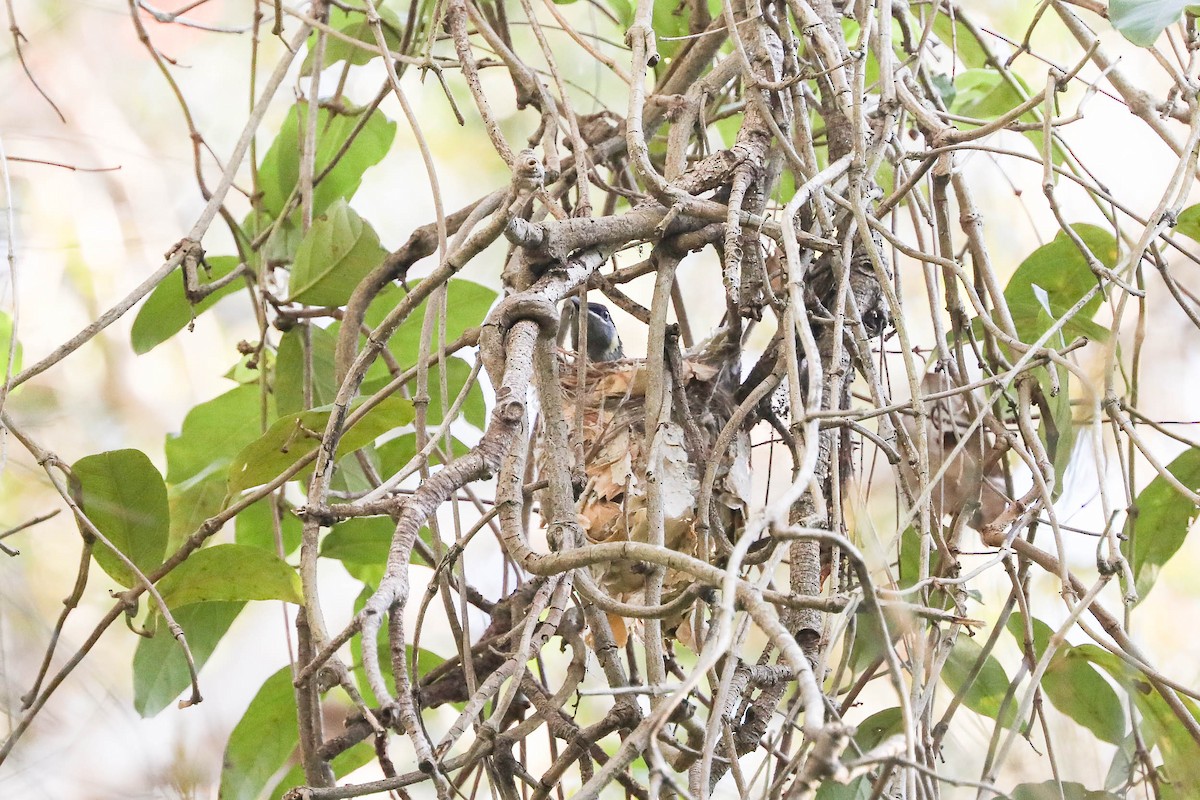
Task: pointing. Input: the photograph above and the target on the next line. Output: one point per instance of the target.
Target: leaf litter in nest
(613, 506)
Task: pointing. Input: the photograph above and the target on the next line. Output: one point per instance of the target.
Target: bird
(603, 343)
(604, 406)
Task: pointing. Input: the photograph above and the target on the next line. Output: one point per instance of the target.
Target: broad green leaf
(728, 127)
(622, 10)
(426, 660)
(214, 432)
(987, 691)
(167, 310)
(1062, 272)
(256, 528)
(124, 496)
(869, 733)
(985, 94)
(670, 22)
(1188, 222)
(1053, 790)
(281, 243)
(194, 501)
(337, 252)
(956, 36)
(160, 670)
(294, 436)
(1042, 290)
(290, 364)
(910, 557)
(264, 740)
(6, 335)
(1180, 753)
(246, 370)
(356, 27)
(1124, 764)
(279, 172)
(394, 454)
(1073, 685)
(362, 545)
(467, 304)
(1164, 517)
(226, 572)
(474, 409)
(1143, 21)
(349, 475)
(1076, 689)
(342, 765)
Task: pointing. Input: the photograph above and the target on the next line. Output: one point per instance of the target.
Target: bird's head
(603, 343)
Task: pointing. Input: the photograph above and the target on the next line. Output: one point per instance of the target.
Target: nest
(606, 415)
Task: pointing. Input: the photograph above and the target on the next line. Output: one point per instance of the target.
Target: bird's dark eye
(600, 311)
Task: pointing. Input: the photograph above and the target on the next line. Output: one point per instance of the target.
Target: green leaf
(263, 741)
(426, 661)
(1143, 21)
(342, 764)
(337, 252)
(1073, 685)
(670, 22)
(295, 436)
(1062, 273)
(356, 27)
(987, 691)
(957, 36)
(910, 558)
(1164, 517)
(1180, 753)
(1124, 764)
(214, 432)
(167, 310)
(194, 501)
(6, 334)
(1076, 689)
(281, 243)
(1054, 790)
(1188, 222)
(279, 172)
(985, 94)
(290, 363)
(247, 369)
(394, 454)
(349, 475)
(467, 304)
(160, 670)
(361, 545)
(474, 408)
(125, 497)
(256, 528)
(869, 733)
(623, 10)
(230, 572)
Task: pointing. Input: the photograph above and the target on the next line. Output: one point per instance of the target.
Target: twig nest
(606, 415)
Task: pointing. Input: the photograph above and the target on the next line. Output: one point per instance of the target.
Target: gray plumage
(603, 343)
